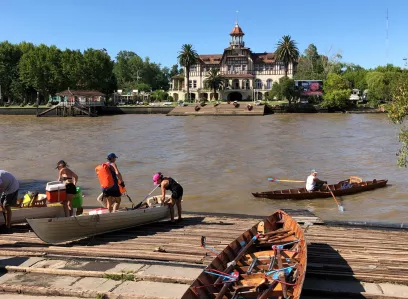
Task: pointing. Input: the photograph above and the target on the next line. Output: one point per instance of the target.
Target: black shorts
(70, 188)
(177, 194)
(114, 192)
(9, 199)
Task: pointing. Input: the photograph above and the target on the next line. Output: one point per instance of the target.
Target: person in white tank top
(313, 183)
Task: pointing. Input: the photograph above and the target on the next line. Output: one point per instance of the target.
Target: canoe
(63, 229)
(19, 215)
(341, 188)
(267, 261)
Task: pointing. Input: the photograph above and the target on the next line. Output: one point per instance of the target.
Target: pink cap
(156, 177)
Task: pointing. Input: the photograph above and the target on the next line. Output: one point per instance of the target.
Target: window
(269, 84)
(193, 68)
(190, 83)
(244, 67)
(229, 68)
(195, 84)
(204, 69)
(258, 84)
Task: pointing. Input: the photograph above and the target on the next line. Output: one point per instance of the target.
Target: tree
(214, 80)
(174, 70)
(98, 71)
(41, 69)
(397, 111)
(72, 67)
(128, 68)
(187, 57)
(9, 74)
(336, 92)
(287, 52)
(310, 66)
(285, 89)
(355, 75)
(377, 88)
(160, 95)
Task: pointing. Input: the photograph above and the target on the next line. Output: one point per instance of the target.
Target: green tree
(128, 68)
(310, 66)
(336, 92)
(41, 69)
(98, 71)
(214, 81)
(287, 52)
(377, 87)
(284, 90)
(397, 112)
(174, 70)
(187, 57)
(355, 75)
(9, 74)
(159, 95)
(72, 68)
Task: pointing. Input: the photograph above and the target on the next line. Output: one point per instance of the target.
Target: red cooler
(56, 191)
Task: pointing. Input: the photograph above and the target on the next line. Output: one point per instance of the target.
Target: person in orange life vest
(167, 183)
(70, 179)
(113, 194)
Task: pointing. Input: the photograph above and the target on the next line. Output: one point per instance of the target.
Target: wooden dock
(365, 259)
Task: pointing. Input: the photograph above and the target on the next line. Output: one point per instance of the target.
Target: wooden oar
(338, 205)
(290, 181)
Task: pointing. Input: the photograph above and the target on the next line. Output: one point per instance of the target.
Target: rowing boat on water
(267, 261)
(58, 230)
(345, 187)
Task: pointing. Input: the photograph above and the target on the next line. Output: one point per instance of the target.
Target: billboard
(310, 87)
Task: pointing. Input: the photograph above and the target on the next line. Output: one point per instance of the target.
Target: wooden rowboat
(58, 230)
(267, 261)
(345, 187)
(19, 215)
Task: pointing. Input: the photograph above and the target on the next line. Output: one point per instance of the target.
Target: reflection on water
(218, 160)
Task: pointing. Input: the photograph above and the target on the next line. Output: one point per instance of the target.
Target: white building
(250, 75)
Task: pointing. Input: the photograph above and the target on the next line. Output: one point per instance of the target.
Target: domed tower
(237, 35)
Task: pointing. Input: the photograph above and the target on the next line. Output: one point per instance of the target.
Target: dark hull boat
(267, 261)
(342, 188)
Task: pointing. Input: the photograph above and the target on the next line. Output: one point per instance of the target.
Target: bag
(105, 177)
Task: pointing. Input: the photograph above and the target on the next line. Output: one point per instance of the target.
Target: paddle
(123, 191)
(338, 205)
(278, 180)
(140, 203)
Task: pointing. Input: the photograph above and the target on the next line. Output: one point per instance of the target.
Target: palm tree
(287, 52)
(214, 80)
(187, 57)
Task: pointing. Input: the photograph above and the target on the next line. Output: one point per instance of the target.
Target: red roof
(80, 93)
(237, 31)
(211, 59)
(264, 57)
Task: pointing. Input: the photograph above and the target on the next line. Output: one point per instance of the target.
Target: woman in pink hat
(167, 183)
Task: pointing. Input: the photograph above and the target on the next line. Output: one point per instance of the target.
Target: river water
(218, 160)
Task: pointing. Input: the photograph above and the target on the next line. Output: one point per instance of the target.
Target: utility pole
(38, 101)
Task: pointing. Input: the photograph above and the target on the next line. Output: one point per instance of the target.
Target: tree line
(26, 69)
(339, 78)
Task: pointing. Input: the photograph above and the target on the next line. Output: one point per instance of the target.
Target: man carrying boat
(9, 186)
(313, 183)
(113, 194)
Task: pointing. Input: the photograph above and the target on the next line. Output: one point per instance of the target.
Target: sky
(158, 28)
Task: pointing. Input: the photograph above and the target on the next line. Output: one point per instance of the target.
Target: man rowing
(313, 183)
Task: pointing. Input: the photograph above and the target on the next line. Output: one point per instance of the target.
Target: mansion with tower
(250, 75)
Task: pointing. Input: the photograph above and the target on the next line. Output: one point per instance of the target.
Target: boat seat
(355, 179)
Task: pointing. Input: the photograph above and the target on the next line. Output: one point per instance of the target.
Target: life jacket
(104, 173)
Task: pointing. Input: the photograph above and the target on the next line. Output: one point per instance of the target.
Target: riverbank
(118, 110)
(108, 110)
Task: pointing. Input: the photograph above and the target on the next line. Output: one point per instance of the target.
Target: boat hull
(251, 262)
(302, 193)
(58, 230)
(19, 215)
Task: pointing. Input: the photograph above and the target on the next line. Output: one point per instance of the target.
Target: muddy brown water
(218, 160)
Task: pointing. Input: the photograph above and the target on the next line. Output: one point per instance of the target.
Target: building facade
(250, 75)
